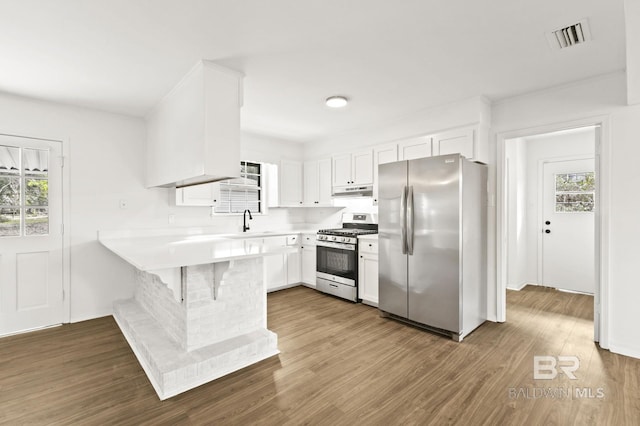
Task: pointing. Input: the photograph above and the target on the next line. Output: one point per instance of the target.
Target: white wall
(603, 97)
(107, 164)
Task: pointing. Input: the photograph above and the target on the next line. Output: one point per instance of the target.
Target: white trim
(624, 350)
(66, 237)
(603, 169)
(520, 287)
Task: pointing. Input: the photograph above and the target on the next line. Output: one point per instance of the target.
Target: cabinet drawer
(308, 239)
(368, 246)
(292, 240)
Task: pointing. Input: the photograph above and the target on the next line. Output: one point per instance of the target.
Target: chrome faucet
(245, 227)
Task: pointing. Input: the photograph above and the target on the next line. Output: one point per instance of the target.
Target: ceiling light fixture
(336, 101)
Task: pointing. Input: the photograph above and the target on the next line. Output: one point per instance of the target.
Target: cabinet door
(382, 155)
(341, 170)
(413, 148)
(368, 278)
(198, 195)
(324, 182)
(275, 272)
(362, 167)
(293, 268)
(290, 183)
(458, 141)
(311, 184)
(309, 265)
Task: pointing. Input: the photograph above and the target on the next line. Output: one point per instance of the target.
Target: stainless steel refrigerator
(432, 234)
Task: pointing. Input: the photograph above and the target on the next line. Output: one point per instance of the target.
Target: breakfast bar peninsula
(199, 309)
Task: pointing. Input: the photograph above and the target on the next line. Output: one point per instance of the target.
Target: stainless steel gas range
(337, 255)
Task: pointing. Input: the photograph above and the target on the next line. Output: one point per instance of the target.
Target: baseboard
(518, 288)
(283, 287)
(624, 350)
(87, 317)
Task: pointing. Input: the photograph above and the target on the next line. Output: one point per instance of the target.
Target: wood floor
(340, 364)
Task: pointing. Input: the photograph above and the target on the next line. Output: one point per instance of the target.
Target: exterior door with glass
(31, 241)
(568, 227)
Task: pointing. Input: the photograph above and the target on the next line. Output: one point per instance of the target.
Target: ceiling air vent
(570, 36)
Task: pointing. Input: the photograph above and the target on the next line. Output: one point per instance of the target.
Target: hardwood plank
(340, 363)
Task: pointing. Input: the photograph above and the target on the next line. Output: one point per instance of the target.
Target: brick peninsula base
(190, 325)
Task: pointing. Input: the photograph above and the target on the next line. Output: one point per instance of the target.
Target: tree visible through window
(237, 195)
(24, 191)
(575, 192)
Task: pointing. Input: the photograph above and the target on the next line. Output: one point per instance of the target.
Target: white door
(31, 286)
(568, 227)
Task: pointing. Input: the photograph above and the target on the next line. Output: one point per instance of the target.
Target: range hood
(193, 133)
(353, 191)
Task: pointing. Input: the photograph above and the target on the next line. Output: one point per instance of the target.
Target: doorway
(31, 234)
(550, 228)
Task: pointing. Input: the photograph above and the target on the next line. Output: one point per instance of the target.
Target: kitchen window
(245, 192)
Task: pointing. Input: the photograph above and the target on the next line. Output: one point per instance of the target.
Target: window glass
(237, 195)
(24, 191)
(9, 222)
(575, 192)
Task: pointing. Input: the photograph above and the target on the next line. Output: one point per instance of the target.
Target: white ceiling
(391, 58)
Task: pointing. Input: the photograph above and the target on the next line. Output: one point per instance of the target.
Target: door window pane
(575, 192)
(9, 222)
(9, 190)
(35, 162)
(36, 192)
(24, 191)
(36, 222)
(9, 160)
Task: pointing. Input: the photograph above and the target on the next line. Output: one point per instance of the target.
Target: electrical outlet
(172, 219)
(123, 204)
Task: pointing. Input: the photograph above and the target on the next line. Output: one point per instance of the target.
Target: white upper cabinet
(459, 141)
(362, 167)
(341, 170)
(381, 155)
(198, 195)
(410, 149)
(290, 184)
(317, 183)
(193, 134)
(353, 169)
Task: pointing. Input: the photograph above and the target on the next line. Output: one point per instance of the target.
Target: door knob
(547, 231)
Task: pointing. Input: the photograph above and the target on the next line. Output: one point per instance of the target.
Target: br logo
(545, 367)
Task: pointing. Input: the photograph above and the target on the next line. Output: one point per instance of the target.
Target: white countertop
(368, 237)
(170, 251)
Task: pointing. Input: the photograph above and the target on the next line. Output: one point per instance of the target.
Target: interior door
(31, 285)
(568, 249)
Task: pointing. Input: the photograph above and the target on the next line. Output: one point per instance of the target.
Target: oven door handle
(403, 219)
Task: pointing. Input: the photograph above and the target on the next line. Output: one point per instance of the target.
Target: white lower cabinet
(309, 260)
(282, 270)
(368, 271)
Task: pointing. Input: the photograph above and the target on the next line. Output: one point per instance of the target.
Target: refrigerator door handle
(403, 219)
(409, 219)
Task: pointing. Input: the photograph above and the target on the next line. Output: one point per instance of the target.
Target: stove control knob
(344, 239)
(333, 238)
